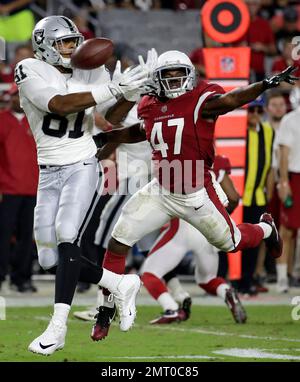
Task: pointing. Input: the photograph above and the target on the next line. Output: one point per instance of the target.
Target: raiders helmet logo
(39, 36)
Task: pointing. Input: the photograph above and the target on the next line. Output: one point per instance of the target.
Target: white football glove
(117, 74)
(133, 82)
(128, 84)
(151, 61)
(143, 84)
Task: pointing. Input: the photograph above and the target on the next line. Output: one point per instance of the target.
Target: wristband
(102, 94)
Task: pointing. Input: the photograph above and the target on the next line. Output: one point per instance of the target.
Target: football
(92, 53)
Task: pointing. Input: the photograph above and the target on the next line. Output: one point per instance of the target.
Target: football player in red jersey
(178, 238)
(179, 120)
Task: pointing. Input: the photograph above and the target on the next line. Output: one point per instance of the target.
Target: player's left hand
(284, 76)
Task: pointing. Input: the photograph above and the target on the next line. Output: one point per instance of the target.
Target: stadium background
(134, 27)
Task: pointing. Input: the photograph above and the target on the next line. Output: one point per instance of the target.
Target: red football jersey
(18, 160)
(182, 141)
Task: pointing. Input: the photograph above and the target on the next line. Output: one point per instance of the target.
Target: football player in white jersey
(59, 102)
(134, 171)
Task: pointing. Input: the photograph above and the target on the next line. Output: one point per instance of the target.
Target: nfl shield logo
(164, 108)
(227, 64)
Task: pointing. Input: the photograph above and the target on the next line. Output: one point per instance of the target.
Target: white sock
(167, 302)
(266, 228)
(221, 290)
(108, 301)
(61, 312)
(100, 298)
(176, 290)
(281, 271)
(110, 280)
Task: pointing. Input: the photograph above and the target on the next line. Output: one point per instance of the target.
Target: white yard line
(163, 357)
(255, 353)
(222, 334)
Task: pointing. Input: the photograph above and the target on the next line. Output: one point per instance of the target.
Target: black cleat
(233, 302)
(186, 307)
(103, 320)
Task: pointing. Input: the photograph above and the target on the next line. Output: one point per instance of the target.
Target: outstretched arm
(130, 134)
(222, 104)
(112, 139)
(118, 112)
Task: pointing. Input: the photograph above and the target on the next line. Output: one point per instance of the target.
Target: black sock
(170, 275)
(52, 271)
(67, 273)
(90, 272)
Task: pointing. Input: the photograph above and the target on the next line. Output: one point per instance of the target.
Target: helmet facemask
(173, 87)
(59, 46)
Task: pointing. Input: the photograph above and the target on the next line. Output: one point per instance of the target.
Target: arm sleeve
(34, 87)
(203, 96)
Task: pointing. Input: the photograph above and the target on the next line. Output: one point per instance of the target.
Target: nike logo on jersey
(86, 164)
(198, 208)
(46, 346)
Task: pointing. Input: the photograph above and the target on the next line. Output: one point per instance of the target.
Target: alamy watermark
(176, 176)
(2, 49)
(2, 308)
(296, 49)
(295, 314)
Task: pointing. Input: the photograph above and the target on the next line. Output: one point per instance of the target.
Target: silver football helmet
(173, 60)
(48, 39)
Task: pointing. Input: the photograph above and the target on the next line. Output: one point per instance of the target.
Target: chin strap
(65, 62)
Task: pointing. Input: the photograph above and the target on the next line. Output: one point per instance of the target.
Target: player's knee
(66, 232)
(117, 247)
(47, 258)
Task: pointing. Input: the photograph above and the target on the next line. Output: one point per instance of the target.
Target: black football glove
(284, 76)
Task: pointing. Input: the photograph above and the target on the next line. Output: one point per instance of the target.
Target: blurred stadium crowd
(134, 26)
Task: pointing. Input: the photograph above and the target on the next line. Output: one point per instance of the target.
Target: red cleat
(103, 320)
(170, 316)
(274, 241)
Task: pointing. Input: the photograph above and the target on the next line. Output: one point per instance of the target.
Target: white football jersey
(134, 159)
(60, 140)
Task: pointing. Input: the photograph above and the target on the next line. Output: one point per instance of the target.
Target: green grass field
(269, 335)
